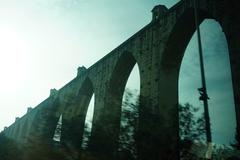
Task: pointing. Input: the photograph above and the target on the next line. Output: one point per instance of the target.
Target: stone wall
(157, 49)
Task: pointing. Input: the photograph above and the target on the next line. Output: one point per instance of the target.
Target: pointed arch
(177, 42)
(179, 38)
(84, 96)
(108, 124)
(74, 118)
(58, 130)
(117, 84)
(121, 73)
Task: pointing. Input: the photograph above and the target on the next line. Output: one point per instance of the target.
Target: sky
(42, 42)
(218, 80)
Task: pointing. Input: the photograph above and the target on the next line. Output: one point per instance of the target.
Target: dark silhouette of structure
(157, 49)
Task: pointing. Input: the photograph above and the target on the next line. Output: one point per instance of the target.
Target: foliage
(42, 149)
(86, 136)
(192, 132)
(191, 127)
(225, 152)
(9, 150)
(34, 148)
(197, 150)
(129, 122)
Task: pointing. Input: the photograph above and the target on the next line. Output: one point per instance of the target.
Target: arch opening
(123, 93)
(172, 58)
(219, 83)
(130, 115)
(75, 116)
(88, 123)
(85, 111)
(58, 130)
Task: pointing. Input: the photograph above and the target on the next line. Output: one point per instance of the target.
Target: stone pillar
(231, 28)
(105, 129)
(74, 121)
(72, 132)
(107, 112)
(45, 120)
(158, 123)
(75, 110)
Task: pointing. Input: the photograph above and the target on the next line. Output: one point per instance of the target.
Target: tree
(86, 136)
(43, 149)
(129, 122)
(9, 149)
(190, 126)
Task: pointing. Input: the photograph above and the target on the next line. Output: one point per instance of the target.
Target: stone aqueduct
(157, 49)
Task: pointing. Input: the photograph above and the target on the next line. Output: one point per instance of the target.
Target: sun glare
(13, 59)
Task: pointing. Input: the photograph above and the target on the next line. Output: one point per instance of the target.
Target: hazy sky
(42, 42)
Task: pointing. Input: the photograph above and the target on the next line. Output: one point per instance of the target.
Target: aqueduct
(157, 49)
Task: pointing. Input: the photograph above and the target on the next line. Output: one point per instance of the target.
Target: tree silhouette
(129, 122)
(9, 150)
(191, 127)
(86, 136)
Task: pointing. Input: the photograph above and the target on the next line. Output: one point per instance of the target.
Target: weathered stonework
(157, 49)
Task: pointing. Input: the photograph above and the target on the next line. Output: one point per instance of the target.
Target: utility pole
(203, 91)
